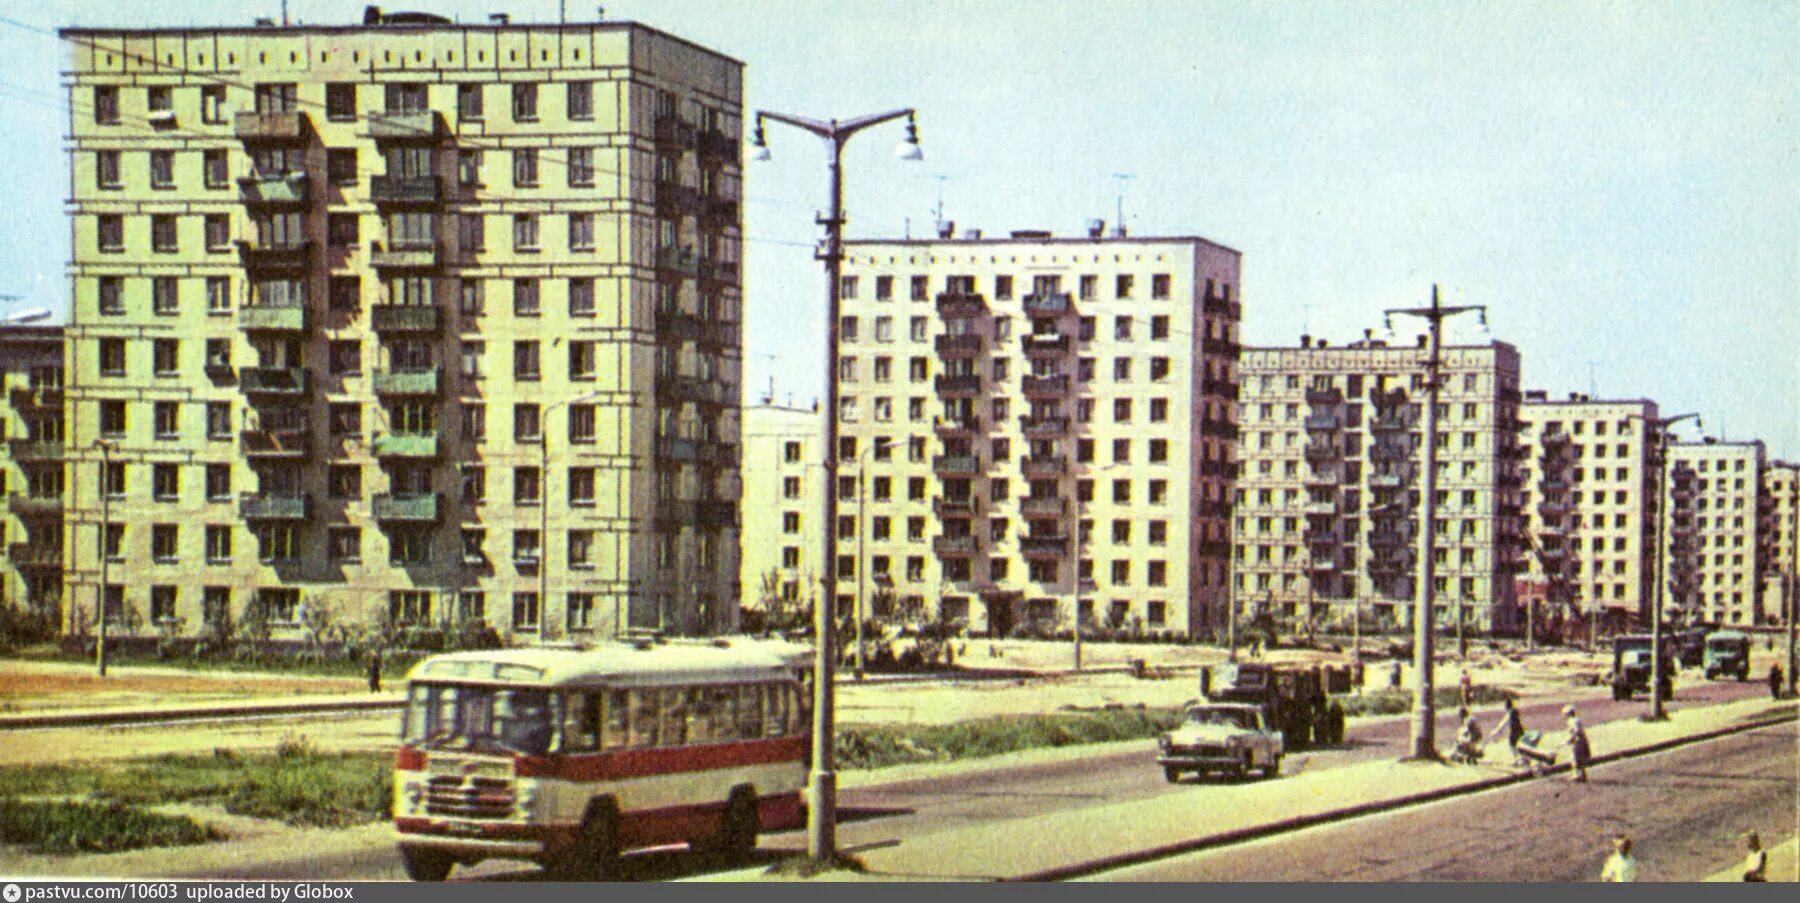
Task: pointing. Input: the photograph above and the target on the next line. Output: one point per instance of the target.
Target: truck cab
(1728, 653)
(1632, 666)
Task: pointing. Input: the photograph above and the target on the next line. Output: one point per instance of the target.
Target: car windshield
(1221, 717)
(478, 719)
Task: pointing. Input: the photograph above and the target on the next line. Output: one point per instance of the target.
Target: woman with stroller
(1512, 727)
(1468, 739)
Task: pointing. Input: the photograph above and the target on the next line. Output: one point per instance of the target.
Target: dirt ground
(66, 686)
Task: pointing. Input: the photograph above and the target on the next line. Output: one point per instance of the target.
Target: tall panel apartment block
(32, 476)
(1781, 483)
(1590, 506)
(783, 560)
(1328, 490)
(412, 321)
(1026, 403)
(1720, 526)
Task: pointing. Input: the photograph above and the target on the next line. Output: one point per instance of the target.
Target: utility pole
(1665, 505)
(821, 821)
(1424, 740)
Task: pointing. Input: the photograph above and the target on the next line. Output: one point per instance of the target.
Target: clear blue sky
(1618, 181)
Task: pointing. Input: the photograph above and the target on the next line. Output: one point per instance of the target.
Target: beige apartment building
(1590, 505)
(1718, 532)
(1781, 485)
(404, 320)
(1328, 501)
(1002, 392)
(32, 477)
(783, 558)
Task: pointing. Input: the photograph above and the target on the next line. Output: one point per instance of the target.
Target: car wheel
(1242, 770)
(1273, 768)
(426, 865)
(1172, 774)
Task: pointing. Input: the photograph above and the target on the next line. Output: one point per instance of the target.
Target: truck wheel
(595, 855)
(1337, 724)
(1743, 676)
(1620, 694)
(426, 865)
(1171, 774)
(737, 828)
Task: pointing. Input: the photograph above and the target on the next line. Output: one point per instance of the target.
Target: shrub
(82, 827)
(22, 625)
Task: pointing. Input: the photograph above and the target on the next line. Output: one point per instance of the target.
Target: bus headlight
(525, 794)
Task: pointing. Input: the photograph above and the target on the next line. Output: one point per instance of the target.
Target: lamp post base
(821, 816)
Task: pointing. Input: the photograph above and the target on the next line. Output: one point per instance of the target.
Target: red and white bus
(569, 756)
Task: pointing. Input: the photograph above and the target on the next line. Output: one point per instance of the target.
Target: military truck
(1295, 699)
(1632, 664)
(1728, 652)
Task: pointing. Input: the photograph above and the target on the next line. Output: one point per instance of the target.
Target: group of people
(1622, 866)
(1471, 743)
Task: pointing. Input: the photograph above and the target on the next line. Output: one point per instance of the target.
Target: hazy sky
(1618, 181)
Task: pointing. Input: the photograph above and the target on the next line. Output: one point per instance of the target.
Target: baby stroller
(1540, 760)
(1469, 747)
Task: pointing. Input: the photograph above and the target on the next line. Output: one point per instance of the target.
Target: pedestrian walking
(1620, 866)
(1394, 675)
(375, 671)
(1512, 727)
(1756, 864)
(1775, 681)
(1579, 750)
(1468, 689)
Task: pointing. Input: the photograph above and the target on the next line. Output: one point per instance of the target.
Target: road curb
(1295, 823)
(139, 716)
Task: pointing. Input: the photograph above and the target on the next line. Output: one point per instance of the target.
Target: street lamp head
(909, 149)
(759, 145)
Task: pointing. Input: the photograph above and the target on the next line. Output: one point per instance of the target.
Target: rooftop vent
(946, 229)
(265, 22)
(1424, 340)
(1305, 340)
(500, 18)
(1031, 233)
(971, 234)
(1096, 228)
(1536, 395)
(371, 15)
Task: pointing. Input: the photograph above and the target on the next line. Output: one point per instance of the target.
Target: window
(165, 482)
(165, 357)
(1122, 286)
(468, 167)
(581, 424)
(165, 297)
(581, 232)
(527, 425)
(158, 98)
(401, 98)
(106, 104)
(581, 100)
(109, 232)
(218, 420)
(472, 356)
(346, 419)
(581, 360)
(345, 356)
(581, 487)
(921, 286)
(468, 103)
(525, 233)
(340, 165)
(218, 543)
(1159, 286)
(474, 483)
(340, 101)
(346, 292)
(344, 544)
(527, 551)
(162, 604)
(471, 232)
(525, 611)
(525, 298)
(163, 238)
(106, 169)
(217, 227)
(112, 357)
(278, 542)
(1089, 287)
(341, 228)
(218, 482)
(409, 545)
(525, 167)
(524, 102)
(218, 294)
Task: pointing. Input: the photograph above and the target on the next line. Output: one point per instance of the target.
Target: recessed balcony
(1045, 386)
(405, 445)
(291, 189)
(275, 382)
(273, 318)
(275, 506)
(421, 508)
(963, 345)
(404, 125)
(407, 382)
(269, 127)
(404, 255)
(402, 318)
(405, 190)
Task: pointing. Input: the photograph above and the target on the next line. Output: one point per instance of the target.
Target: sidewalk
(1079, 842)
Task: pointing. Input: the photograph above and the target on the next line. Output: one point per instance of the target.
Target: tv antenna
(938, 213)
(771, 358)
(1593, 384)
(1120, 178)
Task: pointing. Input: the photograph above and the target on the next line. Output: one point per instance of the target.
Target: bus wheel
(426, 865)
(737, 832)
(595, 855)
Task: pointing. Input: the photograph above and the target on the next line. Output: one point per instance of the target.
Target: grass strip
(60, 828)
(880, 746)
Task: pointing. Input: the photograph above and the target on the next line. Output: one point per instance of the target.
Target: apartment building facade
(1718, 532)
(408, 320)
(783, 558)
(1591, 505)
(32, 475)
(1031, 408)
(1781, 484)
(1328, 498)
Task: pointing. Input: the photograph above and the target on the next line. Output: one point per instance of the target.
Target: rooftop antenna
(938, 214)
(770, 398)
(284, 18)
(1593, 392)
(1119, 210)
(1306, 318)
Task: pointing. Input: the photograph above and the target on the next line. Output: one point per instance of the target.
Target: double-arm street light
(821, 821)
(1424, 741)
(1657, 431)
(543, 612)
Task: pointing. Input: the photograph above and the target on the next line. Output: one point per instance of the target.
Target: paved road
(884, 813)
(1684, 808)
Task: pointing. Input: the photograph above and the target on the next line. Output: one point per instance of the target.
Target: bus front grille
(453, 796)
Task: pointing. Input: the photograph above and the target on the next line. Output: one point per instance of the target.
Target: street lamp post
(543, 612)
(1661, 427)
(821, 821)
(1424, 741)
(1079, 544)
(105, 553)
(862, 558)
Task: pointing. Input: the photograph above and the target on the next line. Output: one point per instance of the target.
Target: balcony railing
(285, 189)
(694, 389)
(1041, 386)
(1390, 423)
(34, 555)
(420, 318)
(954, 546)
(1047, 304)
(677, 326)
(674, 198)
(32, 397)
(1044, 467)
(719, 270)
(408, 382)
(675, 448)
(1317, 397)
(963, 465)
(671, 129)
(1044, 426)
(1043, 546)
(409, 255)
(275, 256)
(1386, 481)
(271, 443)
(1219, 429)
(955, 305)
(275, 506)
(421, 508)
(1322, 451)
(291, 382)
(409, 125)
(1049, 343)
(1053, 506)
(715, 513)
(253, 126)
(969, 426)
(1220, 388)
(715, 143)
(405, 445)
(36, 449)
(958, 345)
(1322, 422)
(396, 190)
(963, 384)
(1321, 508)
(677, 261)
(967, 506)
(35, 505)
(273, 318)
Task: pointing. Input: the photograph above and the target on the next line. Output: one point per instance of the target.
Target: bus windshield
(479, 719)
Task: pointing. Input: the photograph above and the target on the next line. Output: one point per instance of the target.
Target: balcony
(1553, 484)
(718, 454)
(407, 382)
(715, 513)
(275, 382)
(718, 270)
(1387, 539)
(294, 255)
(1219, 429)
(1319, 452)
(956, 465)
(1390, 452)
(1044, 426)
(1390, 423)
(405, 445)
(959, 386)
(23, 397)
(1328, 508)
(1322, 422)
(405, 318)
(1323, 564)
(675, 448)
(1323, 538)
(675, 199)
(692, 389)
(717, 334)
(276, 443)
(1044, 468)
(1318, 397)
(34, 555)
(1045, 386)
(1045, 344)
(275, 506)
(967, 506)
(677, 512)
(958, 345)
(1047, 304)
(677, 326)
(273, 318)
(404, 125)
(1386, 481)
(1043, 546)
(413, 509)
(404, 255)
(957, 305)
(715, 143)
(292, 189)
(1554, 439)
(25, 450)
(1230, 309)
(1387, 567)
(954, 546)
(676, 261)
(1052, 506)
(405, 190)
(1221, 388)
(35, 505)
(269, 126)
(1328, 478)
(719, 212)
(1549, 509)
(671, 130)
(951, 428)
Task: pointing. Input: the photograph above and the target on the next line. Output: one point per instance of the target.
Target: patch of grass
(804, 867)
(299, 785)
(1391, 701)
(73, 827)
(394, 665)
(875, 747)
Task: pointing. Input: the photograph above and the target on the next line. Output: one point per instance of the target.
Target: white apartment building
(1003, 391)
(1716, 558)
(783, 558)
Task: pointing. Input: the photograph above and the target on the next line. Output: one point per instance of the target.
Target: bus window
(581, 722)
(750, 711)
(675, 715)
(724, 713)
(700, 716)
(618, 720)
(646, 712)
(775, 712)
